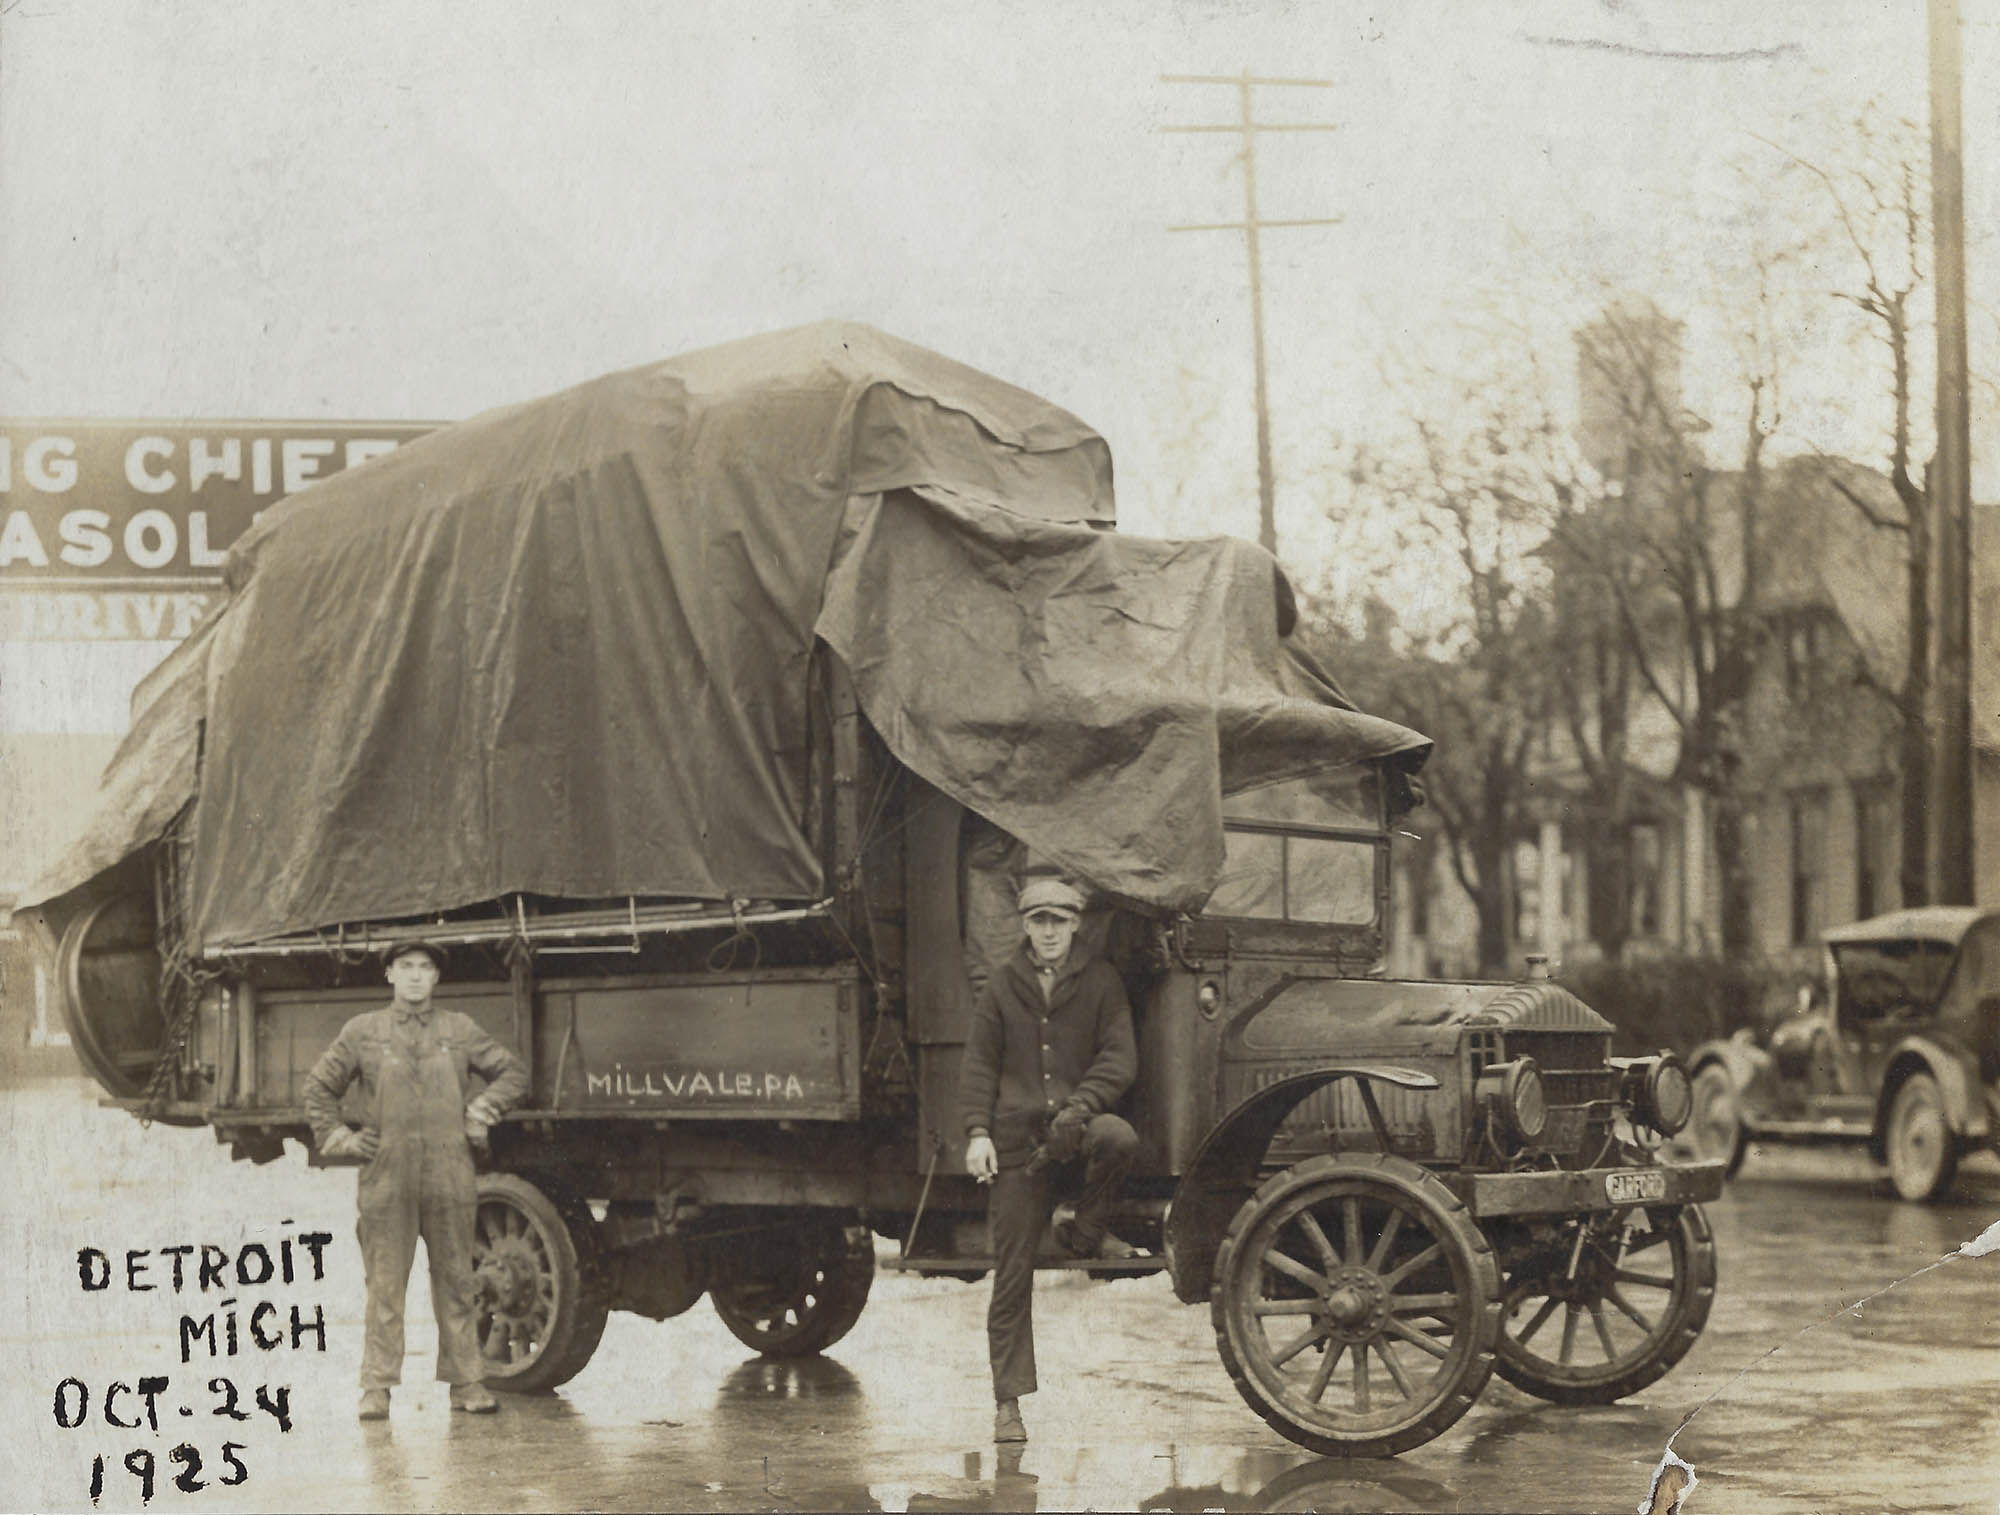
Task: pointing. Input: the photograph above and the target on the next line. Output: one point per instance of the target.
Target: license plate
(1635, 1187)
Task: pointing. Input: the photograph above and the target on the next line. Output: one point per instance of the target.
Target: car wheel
(1919, 1143)
(1715, 1128)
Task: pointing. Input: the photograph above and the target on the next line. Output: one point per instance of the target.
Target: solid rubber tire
(1693, 1298)
(1448, 1221)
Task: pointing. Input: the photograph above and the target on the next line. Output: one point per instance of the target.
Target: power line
(1248, 128)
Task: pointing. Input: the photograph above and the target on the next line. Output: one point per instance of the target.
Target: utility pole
(1248, 127)
(1951, 472)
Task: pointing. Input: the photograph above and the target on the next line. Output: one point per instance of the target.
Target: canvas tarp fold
(563, 649)
(1093, 694)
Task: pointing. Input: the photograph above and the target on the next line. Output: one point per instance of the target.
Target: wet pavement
(1891, 1408)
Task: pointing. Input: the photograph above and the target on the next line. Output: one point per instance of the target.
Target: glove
(345, 1141)
(1065, 1137)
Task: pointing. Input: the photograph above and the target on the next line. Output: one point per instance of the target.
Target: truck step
(1135, 1266)
(1825, 1129)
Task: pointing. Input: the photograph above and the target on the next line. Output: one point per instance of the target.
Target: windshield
(1889, 978)
(1303, 850)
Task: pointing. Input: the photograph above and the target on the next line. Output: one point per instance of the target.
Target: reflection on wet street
(1896, 1406)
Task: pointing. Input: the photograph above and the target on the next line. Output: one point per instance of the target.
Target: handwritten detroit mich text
(229, 1327)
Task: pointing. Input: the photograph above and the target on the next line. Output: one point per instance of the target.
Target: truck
(707, 713)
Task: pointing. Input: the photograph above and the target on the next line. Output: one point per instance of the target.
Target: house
(1819, 741)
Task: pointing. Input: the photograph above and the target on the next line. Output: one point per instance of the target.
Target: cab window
(1304, 850)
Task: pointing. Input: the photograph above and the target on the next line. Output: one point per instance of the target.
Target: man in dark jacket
(1050, 1051)
(413, 1061)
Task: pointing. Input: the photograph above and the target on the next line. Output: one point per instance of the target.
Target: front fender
(1224, 1172)
(1957, 1074)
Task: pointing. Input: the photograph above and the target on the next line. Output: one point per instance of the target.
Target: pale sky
(412, 209)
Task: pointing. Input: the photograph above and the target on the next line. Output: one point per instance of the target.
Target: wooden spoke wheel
(539, 1311)
(1355, 1304)
(1608, 1305)
(1919, 1143)
(1715, 1127)
(795, 1290)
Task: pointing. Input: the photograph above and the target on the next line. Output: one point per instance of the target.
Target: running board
(1135, 1266)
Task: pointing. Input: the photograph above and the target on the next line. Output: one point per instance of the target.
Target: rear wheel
(540, 1308)
(796, 1290)
(1355, 1305)
(1919, 1144)
(1607, 1305)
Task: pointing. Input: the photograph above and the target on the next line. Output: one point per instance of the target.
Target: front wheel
(1633, 1290)
(1920, 1146)
(539, 1312)
(1715, 1127)
(1355, 1305)
(795, 1291)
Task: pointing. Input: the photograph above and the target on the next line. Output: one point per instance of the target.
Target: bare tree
(1878, 208)
(1696, 536)
(1471, 667)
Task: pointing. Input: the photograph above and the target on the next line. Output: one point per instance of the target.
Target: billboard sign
(116, 530)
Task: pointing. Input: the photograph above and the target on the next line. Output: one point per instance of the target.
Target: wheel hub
(507, 1279)
(1355, 1304)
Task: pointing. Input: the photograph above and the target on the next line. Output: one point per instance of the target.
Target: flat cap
(430, 950)
(1053, 894)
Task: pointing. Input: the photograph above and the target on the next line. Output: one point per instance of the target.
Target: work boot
(1007, 1421)
(1072, 1239)
(374, 1405)
(473, 1399)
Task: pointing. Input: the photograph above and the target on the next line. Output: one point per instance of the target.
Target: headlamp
(1512, 1095)
(1659, 1091)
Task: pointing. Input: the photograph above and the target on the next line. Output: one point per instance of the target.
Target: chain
(181, 979)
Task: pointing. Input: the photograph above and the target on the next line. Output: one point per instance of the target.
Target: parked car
(1902, 1055)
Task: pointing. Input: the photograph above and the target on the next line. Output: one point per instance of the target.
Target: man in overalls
(413, 1060)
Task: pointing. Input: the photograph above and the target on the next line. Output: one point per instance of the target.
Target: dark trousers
(1016, 1213)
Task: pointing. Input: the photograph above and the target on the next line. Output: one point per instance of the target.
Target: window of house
(1805, 654)
(1645, 879)
(1808, 866)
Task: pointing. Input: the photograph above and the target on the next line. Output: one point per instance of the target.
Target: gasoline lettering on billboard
(116, 530)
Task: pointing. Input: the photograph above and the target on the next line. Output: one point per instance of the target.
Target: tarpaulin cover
(563, 649)
(1093, 694)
